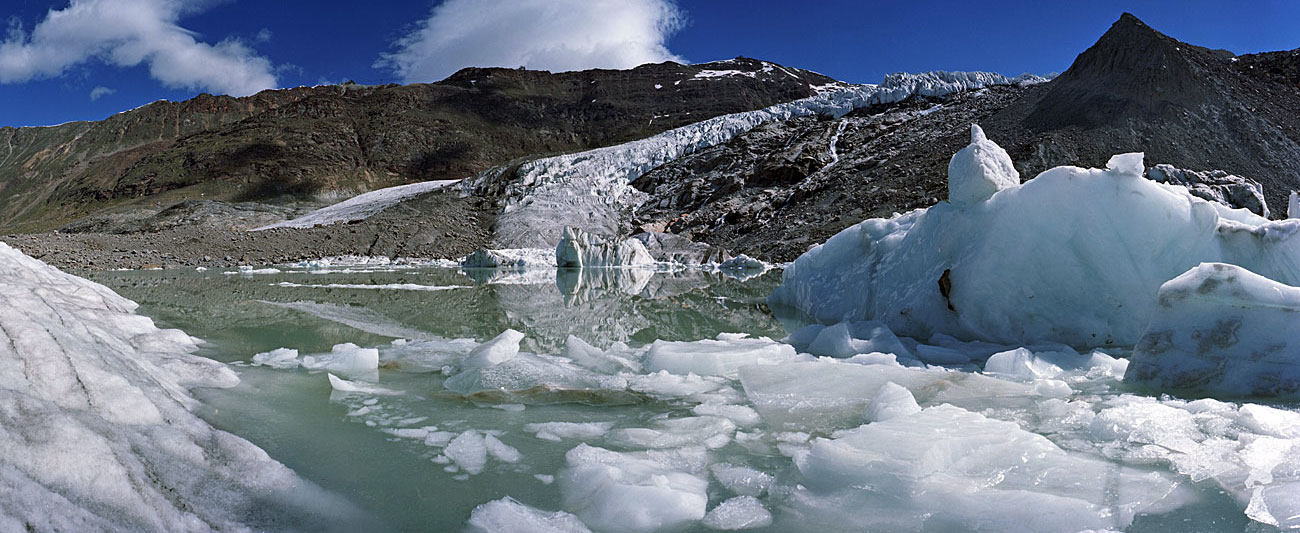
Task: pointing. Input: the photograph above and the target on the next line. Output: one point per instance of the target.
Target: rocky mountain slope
(1140, 90)
(780, 188)
(341, 139)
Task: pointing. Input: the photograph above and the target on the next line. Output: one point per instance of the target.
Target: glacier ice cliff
(1074, 255)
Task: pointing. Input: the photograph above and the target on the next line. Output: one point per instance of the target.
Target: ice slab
(716, 357)
(278, 358)
(498, 371)
(613, 491)
(557, 431)
(829, 394)
(507, 515)
(711, 431)
(741, 512)
(345, 358)
(948, 468)
(1221, 329)
(742, 480)
(1103, 242)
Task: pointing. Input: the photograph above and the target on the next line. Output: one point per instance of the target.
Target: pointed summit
(1132, 70)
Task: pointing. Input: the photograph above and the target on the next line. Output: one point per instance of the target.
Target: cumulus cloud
(100, 92)
(127, 33)
(556, 35)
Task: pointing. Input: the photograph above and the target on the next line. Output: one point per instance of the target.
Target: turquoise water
(289, 413)
(340, 442)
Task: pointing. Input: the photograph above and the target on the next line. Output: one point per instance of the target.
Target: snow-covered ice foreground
(96, 428)
(671, 425)
(740, 432)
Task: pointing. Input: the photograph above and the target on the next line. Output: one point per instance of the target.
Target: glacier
(590, 190)
(97, 428)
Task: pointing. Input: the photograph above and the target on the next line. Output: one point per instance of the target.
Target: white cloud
(127, 33)
(556, 35)
(100, 92)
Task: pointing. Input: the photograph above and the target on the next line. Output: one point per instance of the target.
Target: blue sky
(56, 55)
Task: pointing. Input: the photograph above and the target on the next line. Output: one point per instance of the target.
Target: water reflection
(312, 310)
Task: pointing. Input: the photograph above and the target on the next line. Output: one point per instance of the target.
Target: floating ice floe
(497, 370)
(953, 469)
(1222, 329)
(278, 358)
(96, 427)
(826, 394)
(1073, 256)
(343, 385)
(716, 357)
(579, 249)
(507, 515)
(613, 491)
(1251, 451)
(247, 270)
(346, 358)
(510, 258)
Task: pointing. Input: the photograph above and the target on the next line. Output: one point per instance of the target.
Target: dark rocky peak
(1132, 70)
(1278, 67)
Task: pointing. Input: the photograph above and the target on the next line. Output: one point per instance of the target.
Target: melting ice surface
(630, 400)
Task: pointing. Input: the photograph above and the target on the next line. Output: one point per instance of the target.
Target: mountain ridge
(348, 138)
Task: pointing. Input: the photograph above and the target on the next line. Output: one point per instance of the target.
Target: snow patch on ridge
(361, 206)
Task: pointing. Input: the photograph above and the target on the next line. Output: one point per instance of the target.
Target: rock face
(1216, 331)
(1137, 89)
(780, 188)
(1216, 186)
(311, 140)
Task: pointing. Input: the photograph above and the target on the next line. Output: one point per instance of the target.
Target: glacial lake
(386, 451)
